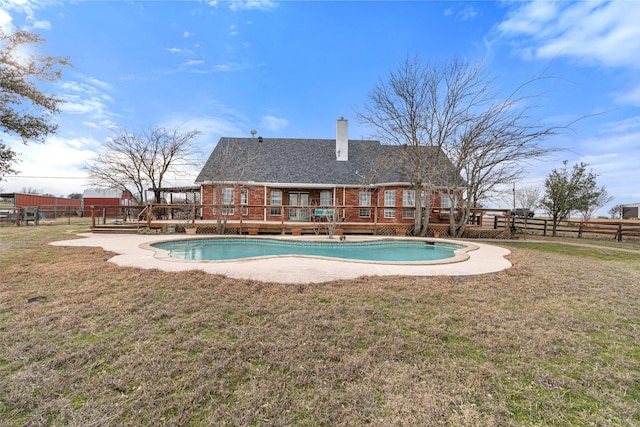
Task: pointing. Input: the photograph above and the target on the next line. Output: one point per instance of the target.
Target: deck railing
(282, 218)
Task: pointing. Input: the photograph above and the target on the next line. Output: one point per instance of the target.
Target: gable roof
(97, 193)
(305, 161)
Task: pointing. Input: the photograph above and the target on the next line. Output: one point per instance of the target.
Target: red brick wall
(351, 197)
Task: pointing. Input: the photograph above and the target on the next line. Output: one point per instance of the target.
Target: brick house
(286, 179)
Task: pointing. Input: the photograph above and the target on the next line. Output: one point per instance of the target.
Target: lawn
(552, 341)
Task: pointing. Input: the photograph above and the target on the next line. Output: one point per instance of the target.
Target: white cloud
(173, 50)
(193, 62)
(530, 18)
(41, 25)
(467, 13)
(593, 32)
(6, 22)
(88, 97)
(613, 154)
(251, 4)
(45, 167)
(26, 8)
(629, 96)
(273, 123)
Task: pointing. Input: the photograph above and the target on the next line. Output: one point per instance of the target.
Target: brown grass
(552, 341)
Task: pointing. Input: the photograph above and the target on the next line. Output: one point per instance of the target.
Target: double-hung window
(408, 201)
(326, 198)
(448, 200)
(389, 200)
(244, 200)
(275, 199)
(227, 201)
(364, 198)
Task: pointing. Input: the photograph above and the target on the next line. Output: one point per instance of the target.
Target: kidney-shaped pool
(386, 251)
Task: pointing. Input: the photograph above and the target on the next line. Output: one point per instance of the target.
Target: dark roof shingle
(303, 161)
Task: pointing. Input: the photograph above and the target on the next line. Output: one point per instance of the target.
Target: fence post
(580, 230)
(495, 222)
(544, 233)
(619, 235)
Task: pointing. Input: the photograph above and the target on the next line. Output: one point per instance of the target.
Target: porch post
(264, 205)
(344, 199)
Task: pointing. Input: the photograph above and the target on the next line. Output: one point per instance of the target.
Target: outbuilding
(630, 211)
(103, 198)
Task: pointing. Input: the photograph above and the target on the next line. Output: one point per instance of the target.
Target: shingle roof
(303, 161)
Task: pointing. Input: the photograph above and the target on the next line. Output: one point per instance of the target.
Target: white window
(408, 213)
(364, 213)
(390, 198)
(326, 198)
(448, 200)
(408, 198)
(275, 199)
(244, 196)
(365, 199)
(227, 196)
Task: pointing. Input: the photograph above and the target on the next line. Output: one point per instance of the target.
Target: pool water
(384, 251)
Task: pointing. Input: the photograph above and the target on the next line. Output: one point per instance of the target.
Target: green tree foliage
(569, 190)
(8, 159)
(25, 109)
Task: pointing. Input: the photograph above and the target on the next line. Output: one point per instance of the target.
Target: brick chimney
(342, 140)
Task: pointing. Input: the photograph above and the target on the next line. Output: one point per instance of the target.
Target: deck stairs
(127, 228)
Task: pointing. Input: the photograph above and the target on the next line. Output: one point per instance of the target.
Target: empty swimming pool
(394, 251)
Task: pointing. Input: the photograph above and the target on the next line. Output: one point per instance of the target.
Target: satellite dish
(253, 133)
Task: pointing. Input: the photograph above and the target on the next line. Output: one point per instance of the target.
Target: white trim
(320, 185)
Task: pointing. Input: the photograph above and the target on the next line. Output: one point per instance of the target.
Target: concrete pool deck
(133, 251)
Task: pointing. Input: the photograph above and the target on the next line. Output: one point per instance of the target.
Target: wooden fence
(34, 214)
(620, 230)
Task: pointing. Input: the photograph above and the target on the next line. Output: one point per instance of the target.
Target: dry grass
(552, 341)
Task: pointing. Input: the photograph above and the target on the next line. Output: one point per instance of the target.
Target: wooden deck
(133, 219)
(261, 227)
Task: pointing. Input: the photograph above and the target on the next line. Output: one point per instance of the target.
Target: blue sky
(290, 69)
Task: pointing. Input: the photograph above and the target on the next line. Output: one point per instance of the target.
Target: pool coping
(132, 251)
(460, 254)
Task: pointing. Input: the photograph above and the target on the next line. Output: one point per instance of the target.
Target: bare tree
(495, 142)
(143, 160)
(454, 109)
(615, 211)
(421, 107)
(26, 109)
(227, 169)
(528, 198)
(598, 197)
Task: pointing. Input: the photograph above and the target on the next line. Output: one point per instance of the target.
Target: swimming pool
(387, 251)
